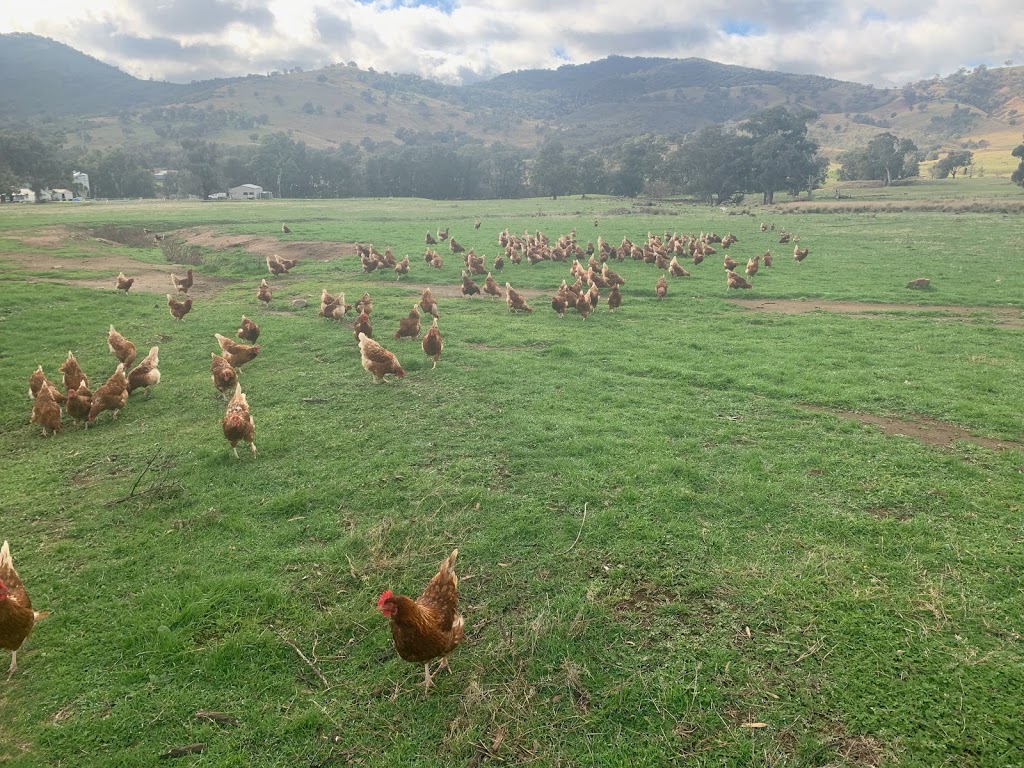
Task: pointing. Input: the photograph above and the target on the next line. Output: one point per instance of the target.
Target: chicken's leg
(14, 665)
(428, 678)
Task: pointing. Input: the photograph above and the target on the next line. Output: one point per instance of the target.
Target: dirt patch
(929, 431)
(263, 245)
(149, 278)
(1000, 315)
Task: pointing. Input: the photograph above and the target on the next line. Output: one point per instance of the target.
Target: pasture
(779, 526)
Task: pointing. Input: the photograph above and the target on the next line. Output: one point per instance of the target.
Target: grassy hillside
(679, 541)
(592, 104)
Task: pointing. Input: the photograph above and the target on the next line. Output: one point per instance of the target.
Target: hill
(591, 104)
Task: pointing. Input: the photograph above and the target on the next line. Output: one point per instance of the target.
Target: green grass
(742, 559)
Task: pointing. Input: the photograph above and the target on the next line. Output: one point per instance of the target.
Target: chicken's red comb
(388, 594)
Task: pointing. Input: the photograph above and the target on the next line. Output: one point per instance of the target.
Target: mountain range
(99, 106)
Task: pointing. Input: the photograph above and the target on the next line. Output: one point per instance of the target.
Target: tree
(783, 157)
(33, 159)
(200, 161)
(551, 172)
(713, 164)
(952, 163)
(1018, 175)
(886, 157)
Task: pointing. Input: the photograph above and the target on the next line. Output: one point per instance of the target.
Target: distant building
(81, 180)
(24, 195)
(246, 192)
(61, 194)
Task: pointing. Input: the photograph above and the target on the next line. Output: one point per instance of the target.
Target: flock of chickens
(430, 626)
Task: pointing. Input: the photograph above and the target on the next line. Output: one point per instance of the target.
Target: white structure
(82, 180)
(245, 192)
(24, 195)
(61, 194)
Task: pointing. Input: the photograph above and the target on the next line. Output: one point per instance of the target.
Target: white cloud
(885, 43)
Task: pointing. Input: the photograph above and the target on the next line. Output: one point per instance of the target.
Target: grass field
(680, 543)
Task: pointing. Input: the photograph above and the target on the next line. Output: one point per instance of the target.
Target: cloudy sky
(886, 43)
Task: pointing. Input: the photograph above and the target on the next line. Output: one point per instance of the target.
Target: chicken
(182, 284)
(490, 287)
(593, 295)
(235, 353)
(110, 396)
(433, 343)
(365, 304)
(288, 264)
(286, 229)
(442, 235)
(73, 375)
(800, 253)
(223, 375)
(17, 618)
(559, 302)
(274, 265)
(429, 626)
(409, 327)
(920, 283)
(237, 423)
(402, 268)
(120, 347)
(428, 304)
(583, 304)
(37, 381)
(764, 227)
(437, 262)
(499, 263)
(730, 263)
(378, 361)
(430, 239)
(263, 293)
(78, 404)
(609, 277)
(145, 374)
(362, 326)
(676, 270)
(333, 307)
(177, 308)
(752, 266)
(456, 247)
(767, 259)
(469, 288)
(477, 224)
(614, 299)
(515, 301)
(661, 288)
(735, 281)
(248, 330)
(46, 411)
(124, 283)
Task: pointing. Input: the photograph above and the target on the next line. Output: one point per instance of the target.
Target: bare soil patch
(149, 278)
(264, 245)
(929, 431)
(1001, 315)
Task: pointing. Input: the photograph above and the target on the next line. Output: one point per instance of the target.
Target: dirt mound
(1001, 315)
(264, 245)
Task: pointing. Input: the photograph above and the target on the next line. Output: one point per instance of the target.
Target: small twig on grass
(157, 485)
(216, 717)
(191, 749)
(809, 652)
(305, 658)
(580, 533)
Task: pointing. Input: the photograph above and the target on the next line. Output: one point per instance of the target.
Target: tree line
(769, 153)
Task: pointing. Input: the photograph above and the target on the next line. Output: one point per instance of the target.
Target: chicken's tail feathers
(447, 566)
(5, 556)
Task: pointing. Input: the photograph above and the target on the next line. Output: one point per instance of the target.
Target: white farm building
(245, 192)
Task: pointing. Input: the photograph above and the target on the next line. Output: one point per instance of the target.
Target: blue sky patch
(741, 28)
(873, 14)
